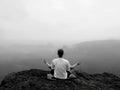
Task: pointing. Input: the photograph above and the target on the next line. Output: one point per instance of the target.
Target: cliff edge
(35, 79)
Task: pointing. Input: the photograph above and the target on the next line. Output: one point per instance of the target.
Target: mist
(59, 22)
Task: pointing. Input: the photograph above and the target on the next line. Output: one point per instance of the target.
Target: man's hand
(49, 65)
(44, 61)
(78, 63)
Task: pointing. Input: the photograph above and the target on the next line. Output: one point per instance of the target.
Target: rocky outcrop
(35, 79)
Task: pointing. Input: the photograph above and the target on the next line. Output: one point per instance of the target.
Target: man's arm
(73, 66)
(49, 65)
(70, 67)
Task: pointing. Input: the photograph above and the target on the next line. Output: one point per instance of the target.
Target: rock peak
(35, 79)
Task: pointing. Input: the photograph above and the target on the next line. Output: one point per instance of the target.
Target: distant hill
(36, 79)
(96, 56)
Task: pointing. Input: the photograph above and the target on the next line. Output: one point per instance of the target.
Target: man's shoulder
(65, 60)
(54, 59)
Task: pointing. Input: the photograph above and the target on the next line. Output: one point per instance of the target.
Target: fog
(59, 22)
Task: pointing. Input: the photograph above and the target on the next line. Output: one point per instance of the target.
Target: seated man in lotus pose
(60, 67)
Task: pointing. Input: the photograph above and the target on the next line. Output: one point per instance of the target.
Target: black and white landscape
(87, 30)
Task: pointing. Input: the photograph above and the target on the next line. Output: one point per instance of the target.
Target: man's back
(60, 66)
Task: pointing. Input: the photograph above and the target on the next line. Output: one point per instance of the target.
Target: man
(60, 67)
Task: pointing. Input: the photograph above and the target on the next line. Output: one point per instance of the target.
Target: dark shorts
(52, 72)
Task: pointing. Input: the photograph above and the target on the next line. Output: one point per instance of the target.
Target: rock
(35, 79)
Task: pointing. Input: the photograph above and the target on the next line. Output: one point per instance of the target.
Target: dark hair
(60, 52)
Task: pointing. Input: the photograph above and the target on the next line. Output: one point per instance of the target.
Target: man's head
(60, 53)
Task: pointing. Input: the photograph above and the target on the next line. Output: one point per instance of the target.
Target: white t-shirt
(60, 66)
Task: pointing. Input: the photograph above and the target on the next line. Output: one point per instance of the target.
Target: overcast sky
(59, 20)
